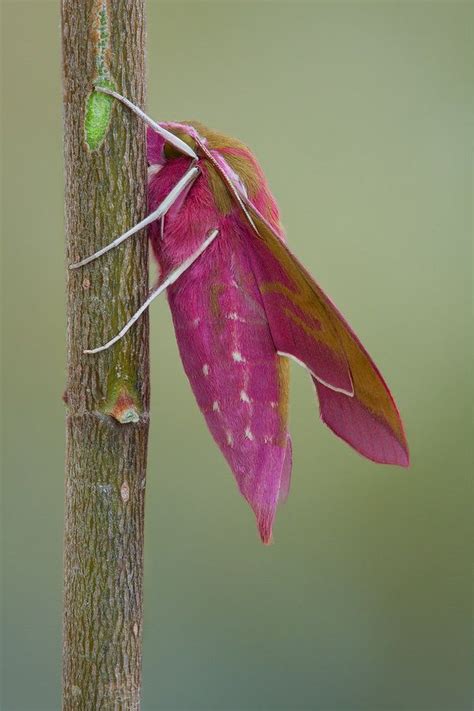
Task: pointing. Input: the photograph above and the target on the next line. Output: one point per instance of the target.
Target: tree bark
(107, 394)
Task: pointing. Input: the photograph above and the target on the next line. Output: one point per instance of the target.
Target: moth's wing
(240, 384)
(305, 324)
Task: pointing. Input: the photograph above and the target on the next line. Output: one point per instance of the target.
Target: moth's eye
(171, 151)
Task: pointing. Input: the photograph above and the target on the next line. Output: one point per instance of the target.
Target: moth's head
(185, 134)
(235, 158)
(194, 134)
(160, 151)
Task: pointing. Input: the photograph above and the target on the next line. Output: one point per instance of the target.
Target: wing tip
(400, 459)
(264, 518)
(361, 429)
(399, 454)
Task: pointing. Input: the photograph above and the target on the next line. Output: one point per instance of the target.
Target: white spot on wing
(205, 369)
(273, 404)
(238, 357)
(215, 406)
(196, 322)
(248, 434)
(234, 316)
(244, 397)
(230, 439)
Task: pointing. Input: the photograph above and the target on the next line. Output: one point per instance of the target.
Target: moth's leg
(167, 135)
(161, 210)
(159, 289)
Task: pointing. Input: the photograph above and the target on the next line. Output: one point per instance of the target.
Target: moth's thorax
(208, 203)
(186, 224)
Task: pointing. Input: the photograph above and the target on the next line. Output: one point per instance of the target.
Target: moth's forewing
(238, 380)
(303, 319)
(240, 384)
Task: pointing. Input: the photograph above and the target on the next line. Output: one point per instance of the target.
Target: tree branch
(107, 394)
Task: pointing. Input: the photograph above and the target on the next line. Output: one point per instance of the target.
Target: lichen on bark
(99, 106)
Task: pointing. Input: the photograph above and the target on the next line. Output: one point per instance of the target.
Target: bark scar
(122, 399)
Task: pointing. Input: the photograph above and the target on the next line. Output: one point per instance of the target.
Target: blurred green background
(360, 115)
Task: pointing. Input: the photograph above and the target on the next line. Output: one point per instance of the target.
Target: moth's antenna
(161, 210)
(167, 135)
(159, 289)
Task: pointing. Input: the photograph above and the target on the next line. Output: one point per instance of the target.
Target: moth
(242, 305)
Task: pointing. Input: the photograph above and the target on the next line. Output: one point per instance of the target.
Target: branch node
(123, 403)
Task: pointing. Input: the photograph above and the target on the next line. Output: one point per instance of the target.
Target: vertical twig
(107, 394)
